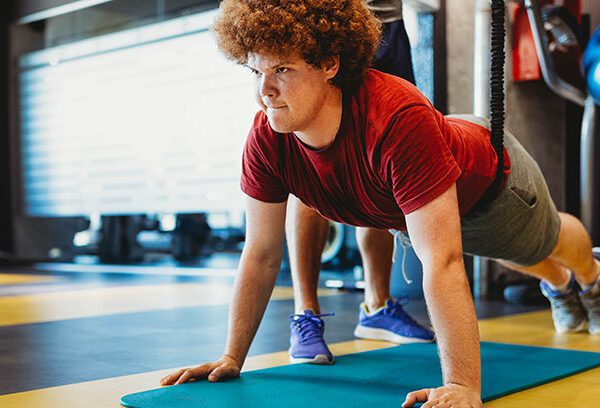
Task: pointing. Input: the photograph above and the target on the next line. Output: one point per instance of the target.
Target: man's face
(289, 90)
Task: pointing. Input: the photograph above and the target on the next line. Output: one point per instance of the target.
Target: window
(147, 120)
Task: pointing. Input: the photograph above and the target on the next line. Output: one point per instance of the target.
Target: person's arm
(434, 231)
(259, 265)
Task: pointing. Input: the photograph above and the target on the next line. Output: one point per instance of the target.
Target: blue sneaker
(391, 323)
(590, 298)
(306, 339)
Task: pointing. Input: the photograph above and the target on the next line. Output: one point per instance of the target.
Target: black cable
(497, 80)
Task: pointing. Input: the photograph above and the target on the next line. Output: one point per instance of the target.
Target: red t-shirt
(393, 154)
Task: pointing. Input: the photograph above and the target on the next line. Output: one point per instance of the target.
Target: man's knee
(573, 240)
(373, 238)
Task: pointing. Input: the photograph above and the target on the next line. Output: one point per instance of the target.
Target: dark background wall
(6, 243)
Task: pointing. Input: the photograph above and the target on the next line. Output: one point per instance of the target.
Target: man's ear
(331, 66)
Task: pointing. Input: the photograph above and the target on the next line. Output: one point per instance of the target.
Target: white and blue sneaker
(590, 298)
(307, 344)
(568, 312)
(391, 323)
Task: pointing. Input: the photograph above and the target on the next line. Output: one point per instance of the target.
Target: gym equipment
(488, 96)
(335, 242)
(372, 378)
(498, 33)
(527, 293)
(190, 235)
(591, 65)
(118, 243)
(561, 25)
(589, 136)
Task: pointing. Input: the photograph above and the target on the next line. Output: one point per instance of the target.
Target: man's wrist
(473, 388)
(237, 360)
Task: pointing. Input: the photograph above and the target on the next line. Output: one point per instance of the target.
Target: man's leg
(376, 248)
(306, 233)
(572, 253)
(571, 260)
(380, 316)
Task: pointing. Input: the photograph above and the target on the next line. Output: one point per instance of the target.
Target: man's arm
(435, 234)
(258, 269)
(259, 265)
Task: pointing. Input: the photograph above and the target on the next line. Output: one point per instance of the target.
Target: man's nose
(266, 86)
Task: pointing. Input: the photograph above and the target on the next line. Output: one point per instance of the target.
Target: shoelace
(308, 325)
(405, 245)
(396, 309)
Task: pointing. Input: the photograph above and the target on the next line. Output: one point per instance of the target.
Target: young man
(380, 317)
(366, 148)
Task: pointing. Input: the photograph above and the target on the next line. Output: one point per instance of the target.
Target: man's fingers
(196, 373)
(213, 371)
(416, 396)
(185, 377)
(216, 374)
(223, 372)
(171, 378)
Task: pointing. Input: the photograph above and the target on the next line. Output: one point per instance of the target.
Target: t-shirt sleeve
(416, 160)
(260, 179)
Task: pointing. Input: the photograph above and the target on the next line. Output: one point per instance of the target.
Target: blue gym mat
(378, 378)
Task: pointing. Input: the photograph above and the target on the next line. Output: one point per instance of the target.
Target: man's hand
(451, 395)
(223, 369)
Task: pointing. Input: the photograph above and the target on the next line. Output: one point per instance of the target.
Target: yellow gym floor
(84, 340)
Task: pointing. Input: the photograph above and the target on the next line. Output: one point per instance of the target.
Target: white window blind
(149, 120)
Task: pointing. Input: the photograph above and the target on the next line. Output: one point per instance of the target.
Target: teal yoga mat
(379, 378)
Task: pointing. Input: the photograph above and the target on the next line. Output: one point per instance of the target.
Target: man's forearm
(455, 323)
(252, 290)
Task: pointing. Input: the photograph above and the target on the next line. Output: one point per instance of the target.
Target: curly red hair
(316, 30)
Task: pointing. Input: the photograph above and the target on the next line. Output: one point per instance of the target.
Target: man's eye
(281, 70)
(254, 72)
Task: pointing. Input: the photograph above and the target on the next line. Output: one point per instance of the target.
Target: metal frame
(589, 133)
(551, 78)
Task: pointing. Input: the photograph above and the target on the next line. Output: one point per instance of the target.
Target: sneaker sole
(581, 328)
(320, 359)
(370, 333)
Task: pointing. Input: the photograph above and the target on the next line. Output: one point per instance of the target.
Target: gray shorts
(521, 224)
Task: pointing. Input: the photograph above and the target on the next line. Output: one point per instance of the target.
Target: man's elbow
(443, 261)
(441, 270)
